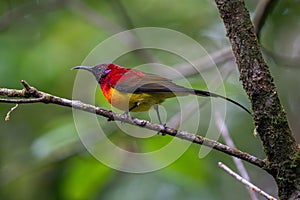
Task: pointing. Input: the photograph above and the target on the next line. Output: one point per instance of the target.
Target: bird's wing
(148, 83)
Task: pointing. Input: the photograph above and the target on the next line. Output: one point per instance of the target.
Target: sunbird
(132, 90)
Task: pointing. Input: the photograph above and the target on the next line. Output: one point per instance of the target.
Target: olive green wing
(149, 83)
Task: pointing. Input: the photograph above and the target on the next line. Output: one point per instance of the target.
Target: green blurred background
(41, 156)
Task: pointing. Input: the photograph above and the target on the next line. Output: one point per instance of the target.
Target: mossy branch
(269, 116)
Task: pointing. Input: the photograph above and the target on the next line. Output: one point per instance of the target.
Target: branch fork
(32, 95)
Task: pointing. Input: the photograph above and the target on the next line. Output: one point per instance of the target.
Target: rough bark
(270, 120)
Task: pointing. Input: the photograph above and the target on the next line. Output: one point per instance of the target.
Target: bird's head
(99, 71)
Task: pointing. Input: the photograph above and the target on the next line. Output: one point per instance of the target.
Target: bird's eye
(105, 73)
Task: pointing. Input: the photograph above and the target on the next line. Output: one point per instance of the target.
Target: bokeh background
(41, 156)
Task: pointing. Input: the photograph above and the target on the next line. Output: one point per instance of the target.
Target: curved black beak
(83, 67)
(97, 70)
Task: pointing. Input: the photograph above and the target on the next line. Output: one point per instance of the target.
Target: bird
(133, 90)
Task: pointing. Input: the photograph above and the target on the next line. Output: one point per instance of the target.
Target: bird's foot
(126, 114)
(110, 120)
(163, 134)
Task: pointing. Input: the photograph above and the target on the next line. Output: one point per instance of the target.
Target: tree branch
(32, 95)
(95, 17)
(228, 141)
(269, 117)
(249, 185)
(260, 15)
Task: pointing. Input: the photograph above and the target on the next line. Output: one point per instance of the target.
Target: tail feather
(210, 94)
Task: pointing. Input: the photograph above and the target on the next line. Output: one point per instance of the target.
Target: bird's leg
(157, 112)
(133, 107)
(158, 116)
(126, 113)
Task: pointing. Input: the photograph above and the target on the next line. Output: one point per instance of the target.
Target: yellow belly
(144, 101)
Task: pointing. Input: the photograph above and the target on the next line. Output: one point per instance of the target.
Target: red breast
(117, 75)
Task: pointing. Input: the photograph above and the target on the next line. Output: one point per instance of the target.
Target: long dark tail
(210, 94)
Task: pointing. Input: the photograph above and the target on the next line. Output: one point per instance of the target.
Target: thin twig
(204, 63)
(245, 182)
(228, 141)
(260, 14)
(129, 39)
(92, 16)
(26, 85)
(121, 12)
(48, 98)
(19, 101)
(262, 11)
(225, 54)
(7, 117)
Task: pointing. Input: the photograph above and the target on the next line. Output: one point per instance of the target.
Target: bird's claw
(163, 134)
(110, 119)
(126, 114)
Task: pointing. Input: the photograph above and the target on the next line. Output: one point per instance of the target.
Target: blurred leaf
(84, 178)
(60, 139)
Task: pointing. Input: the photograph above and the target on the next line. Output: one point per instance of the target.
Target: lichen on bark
(269, 116)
